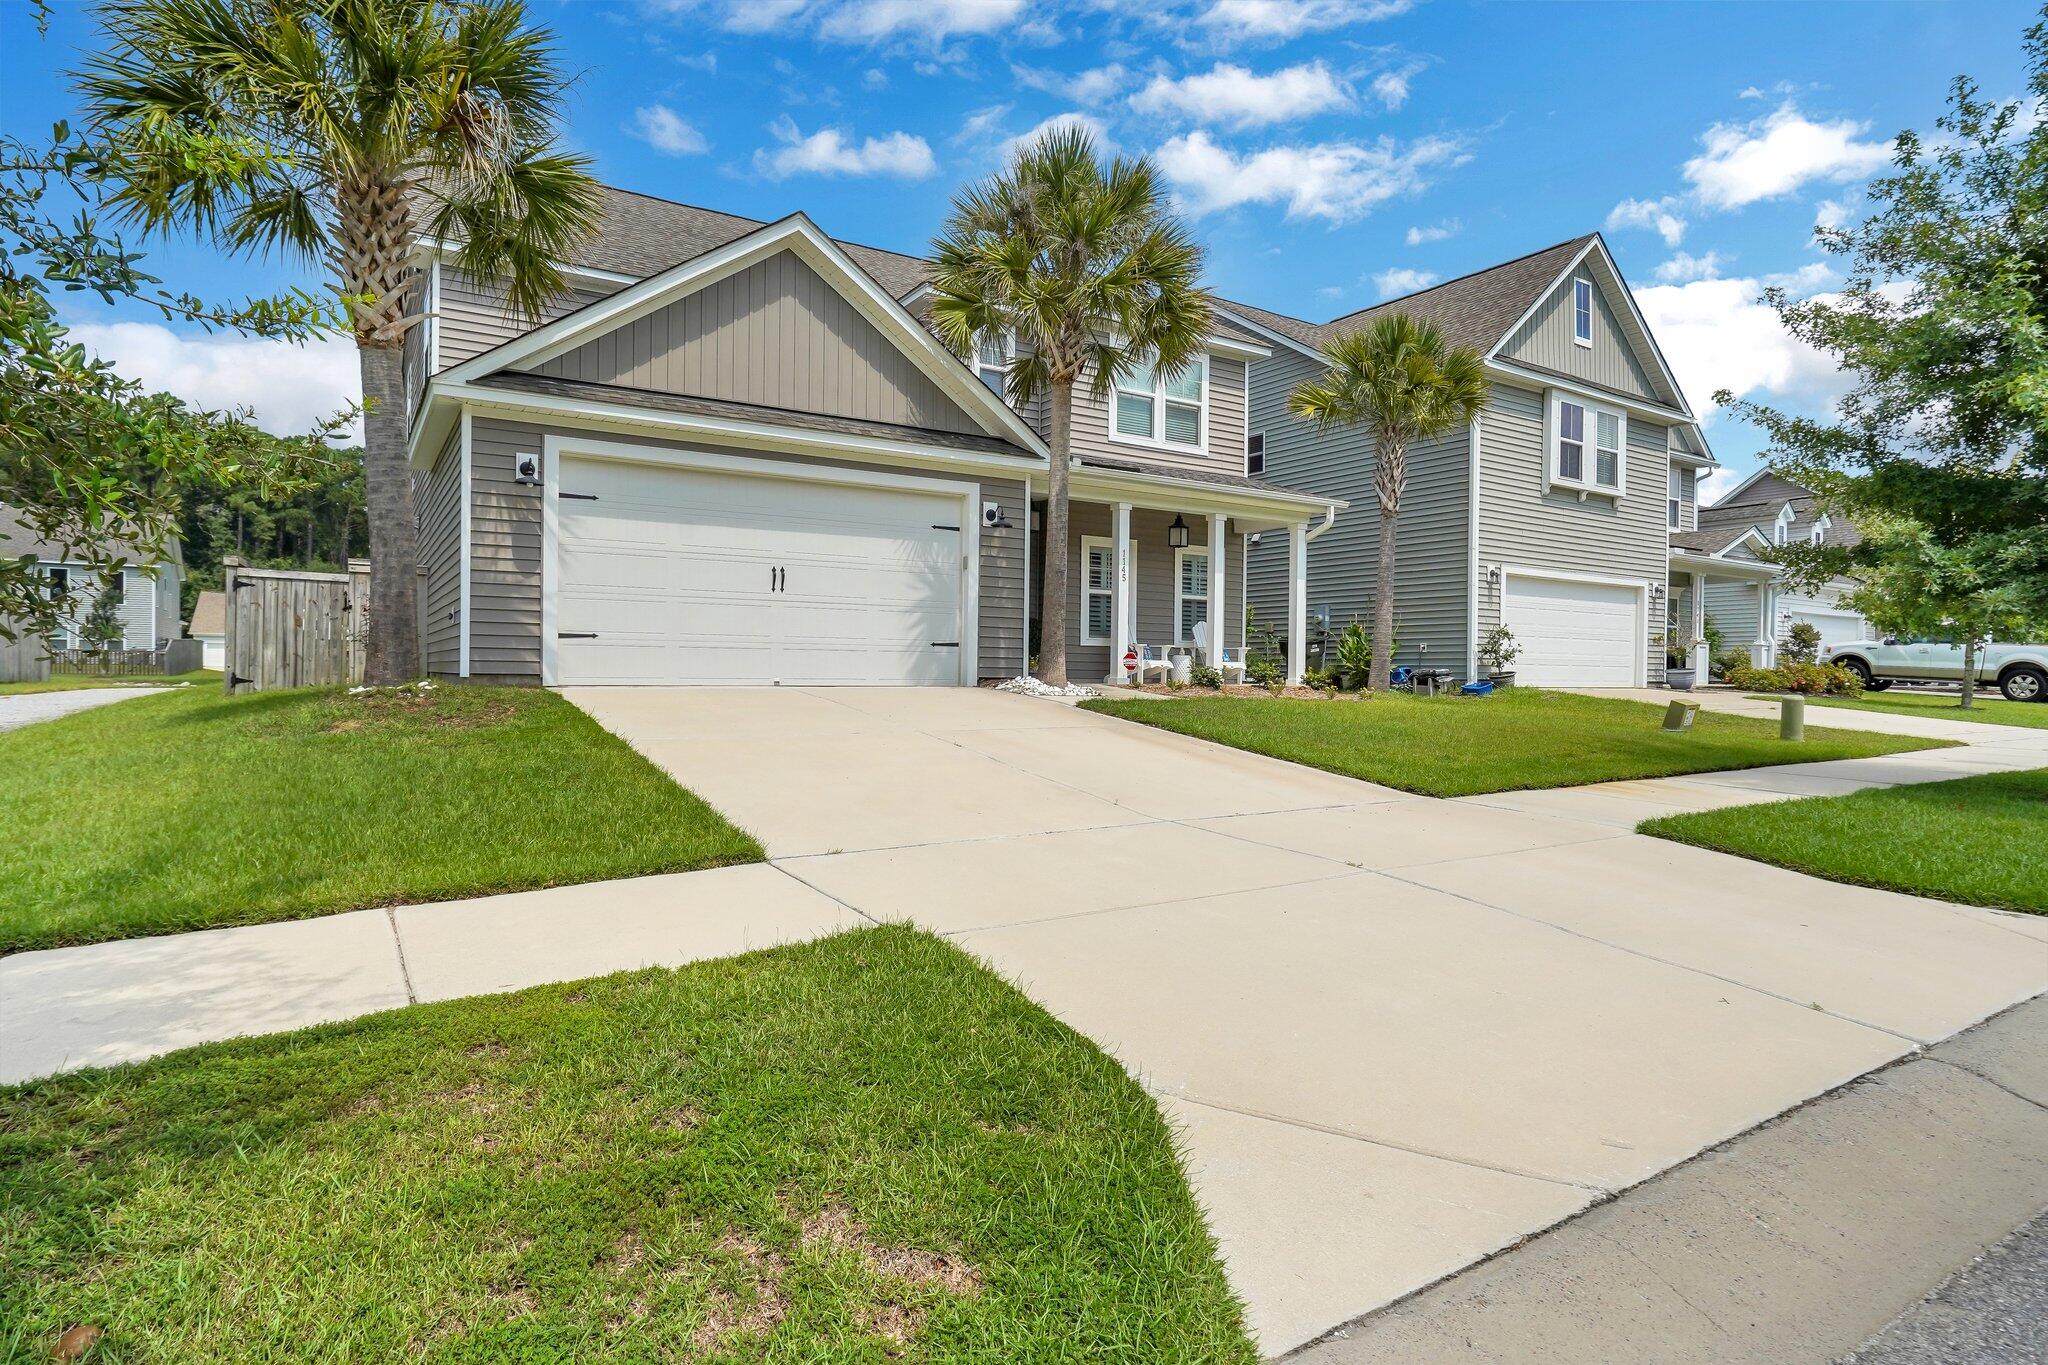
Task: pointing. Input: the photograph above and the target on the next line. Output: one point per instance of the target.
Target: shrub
(1265, 672)
(1204, 676)
(1320, 680)
(1498, 649)
(1813, 680)
(1726, 661)
(1354, 657)
(1802, 642)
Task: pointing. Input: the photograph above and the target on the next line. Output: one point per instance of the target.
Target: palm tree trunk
(392, 653)
(1389, 474)
(1052, 597)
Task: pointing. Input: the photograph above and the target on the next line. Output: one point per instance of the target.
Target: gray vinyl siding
(1154, 585)
(1520, 524)
(1432, 534)
(1545, 340)
(439, 498)
(140, 596)
(505, 555)
(775, 335)
(1735, 608)
(1688, 497)
(1222, 450)
(472, 316)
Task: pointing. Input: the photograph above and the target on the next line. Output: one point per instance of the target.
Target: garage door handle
(580, 497)
(945, 644)
(575, 635)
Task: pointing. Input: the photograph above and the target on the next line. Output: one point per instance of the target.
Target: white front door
(668, 575)
(1573, 634)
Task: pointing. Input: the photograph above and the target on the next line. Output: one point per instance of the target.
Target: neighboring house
(1552, 514)
(148, 590)
(733, 454)
(210, 627)
(1763, 511)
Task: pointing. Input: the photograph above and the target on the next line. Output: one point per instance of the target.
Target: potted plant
(1497, 651)
(1679, 674)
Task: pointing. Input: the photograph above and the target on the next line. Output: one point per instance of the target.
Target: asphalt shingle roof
(1473, 310)
(18, 540)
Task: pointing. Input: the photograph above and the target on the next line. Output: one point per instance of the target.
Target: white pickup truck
(2020, 672)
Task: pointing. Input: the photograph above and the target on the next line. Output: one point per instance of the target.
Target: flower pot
(1502, 679)
(1681, 679)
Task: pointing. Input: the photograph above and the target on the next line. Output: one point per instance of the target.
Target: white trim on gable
(1740, 488)
(1571, 269)
(1289, 342)
(1748, 533)
(799, 235)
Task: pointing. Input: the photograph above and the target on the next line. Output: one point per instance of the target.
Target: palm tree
(1398, 380)
(1077, 265)
(375, 121)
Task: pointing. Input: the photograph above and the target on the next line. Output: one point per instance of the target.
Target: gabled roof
(1475, 310)
(18, 540)
(209, 615)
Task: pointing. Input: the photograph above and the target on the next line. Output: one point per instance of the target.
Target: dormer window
(1153, 409)
(1582, 312)
(1781, 533)
(1820, 531)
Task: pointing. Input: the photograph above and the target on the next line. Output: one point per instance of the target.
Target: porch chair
(1228, 661)
(1149, 658)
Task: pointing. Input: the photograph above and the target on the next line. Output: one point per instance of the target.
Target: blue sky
(1329, 152)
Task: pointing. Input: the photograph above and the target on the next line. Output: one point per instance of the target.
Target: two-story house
(1553, 514)
(146, 591)
(1763, 511)
(732, 454)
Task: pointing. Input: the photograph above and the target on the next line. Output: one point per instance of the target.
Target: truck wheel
(1860, 669)
(1877, 684)
(2025, 683)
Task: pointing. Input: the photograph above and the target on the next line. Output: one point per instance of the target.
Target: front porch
(1152, 558)
(1738, 596)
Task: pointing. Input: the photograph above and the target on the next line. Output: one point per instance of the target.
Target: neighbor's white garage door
(1573, 634)
(1835, 627)
(685, 576)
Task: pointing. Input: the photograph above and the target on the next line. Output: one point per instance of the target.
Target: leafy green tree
(1083, 268)
(101, 627)
(1914, 585)
(388, 119)
(1400, 381)
(1943, 324)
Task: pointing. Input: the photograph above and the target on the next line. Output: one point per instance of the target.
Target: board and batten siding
(1153, 582)
(775, 335)
(1521, 524)
(1545, 341)
(438, 495)
(1432, 537)
(472, 317)
(1223, 445)
(505, 553)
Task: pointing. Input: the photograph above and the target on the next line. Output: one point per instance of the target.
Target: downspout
(1329, 520)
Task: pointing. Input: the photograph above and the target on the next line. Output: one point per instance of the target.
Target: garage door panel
(1573, 634)
(675, 572)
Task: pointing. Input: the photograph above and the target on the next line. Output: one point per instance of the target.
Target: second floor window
(1674, 501)
(992, 364)
(1164, 411)
(1255, 454)
(1582, 312)
(1586, 446)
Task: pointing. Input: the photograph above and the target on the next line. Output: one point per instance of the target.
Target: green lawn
(1979, 840)
(1991, 710)
(1458, 746)
(861, 1149)
(193, 809)
(71, 682)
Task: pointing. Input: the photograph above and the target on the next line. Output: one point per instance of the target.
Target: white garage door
(1835, 627)
(1573, 634)
(685, 576)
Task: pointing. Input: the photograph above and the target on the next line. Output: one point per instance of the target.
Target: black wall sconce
(1177, 534)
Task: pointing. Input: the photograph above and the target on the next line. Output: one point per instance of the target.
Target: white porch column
(1763, 652)
(1297, 601)
(1219, 600)
(1698, 658)
(1119, 592)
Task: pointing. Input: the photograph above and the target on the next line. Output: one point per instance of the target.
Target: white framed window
(1587, 446)
(1156, 410)
(1781, 532)
(1190, 591)
(1582, 312)
(1255, 454)
(1098, 589)
(992, 363)
(1674, 500)
(1820, 531)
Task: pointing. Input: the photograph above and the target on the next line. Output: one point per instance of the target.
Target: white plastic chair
(1227, 663)
(1152, 657)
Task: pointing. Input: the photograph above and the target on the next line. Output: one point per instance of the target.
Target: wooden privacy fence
(24, 660)
(288, 628)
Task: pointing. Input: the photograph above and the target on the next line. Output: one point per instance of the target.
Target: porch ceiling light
(1177, 534)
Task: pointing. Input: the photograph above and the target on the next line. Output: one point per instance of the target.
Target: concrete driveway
(1396, 1033)
(26, 708)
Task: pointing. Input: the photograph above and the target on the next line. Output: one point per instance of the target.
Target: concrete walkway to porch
(1396, 1034)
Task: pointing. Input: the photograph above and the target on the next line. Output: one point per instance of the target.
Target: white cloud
(705, 61)
(1831, 213)
(1717, 335)
(1071, 119)
(1280, 20)
(1685, 266)
(1093, 86)
(867, 21)
(1391, 87)
(1661, 214)
(1338, 181)
(1398, 281)
(290, 388)
(981, 123)
(1435, 232)
(831, 152)
(874, 78)
(1808, 279)
(1332, 292)
(661, 128)
(1718, 481)
(1776, 154)
(1234, 95)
